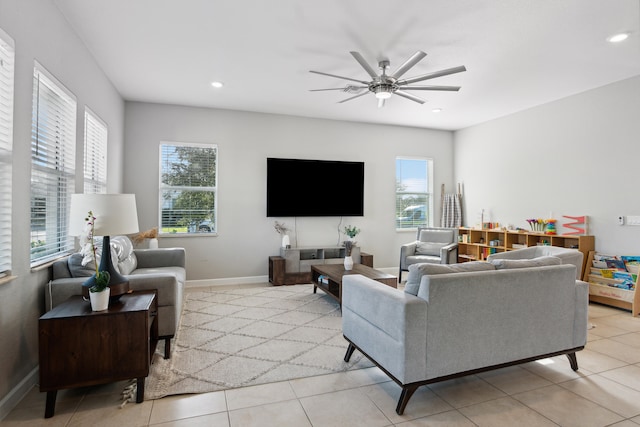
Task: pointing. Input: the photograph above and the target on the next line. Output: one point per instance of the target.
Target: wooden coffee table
(335, 272)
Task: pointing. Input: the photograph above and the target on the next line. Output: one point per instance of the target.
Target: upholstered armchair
(433, 245)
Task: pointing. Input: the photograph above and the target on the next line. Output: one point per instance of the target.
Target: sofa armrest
(406, 250)
(449, 254)
(164, 257)
(581, 319)
(387, 324)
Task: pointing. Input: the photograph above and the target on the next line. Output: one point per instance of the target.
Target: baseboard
(250, 280)
(16, 394)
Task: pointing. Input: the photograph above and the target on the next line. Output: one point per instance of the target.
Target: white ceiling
(518, 53)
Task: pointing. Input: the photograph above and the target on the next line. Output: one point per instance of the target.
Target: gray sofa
(566, 255)
(457, 320)
(146, 269)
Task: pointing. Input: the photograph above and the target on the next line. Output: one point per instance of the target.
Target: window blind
(6, 146)
(53, 136)
(95, 153)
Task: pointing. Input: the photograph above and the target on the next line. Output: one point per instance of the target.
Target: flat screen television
(298, 187)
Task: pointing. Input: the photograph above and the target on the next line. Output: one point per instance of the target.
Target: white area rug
(232, 338)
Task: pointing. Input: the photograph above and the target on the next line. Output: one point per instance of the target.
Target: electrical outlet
(620, 220)
(633, 220)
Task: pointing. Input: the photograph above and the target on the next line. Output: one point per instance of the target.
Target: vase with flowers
(98, 283)
(351, 232)
(282, 229)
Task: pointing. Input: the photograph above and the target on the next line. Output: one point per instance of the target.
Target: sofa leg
(167, 348)
(407, 392)
(349, 352)
(573, 360)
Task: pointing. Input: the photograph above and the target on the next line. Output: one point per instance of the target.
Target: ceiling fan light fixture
(617, 38)
(383, 95)
(383, 91)
(217, 85)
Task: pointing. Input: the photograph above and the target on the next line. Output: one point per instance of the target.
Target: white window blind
(6, 146)
(188, 188)
(95, 154)
(53, 142)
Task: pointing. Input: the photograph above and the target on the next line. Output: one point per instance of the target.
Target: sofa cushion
(416, 271)
(74, 262)
(429, 248)
(505, 264)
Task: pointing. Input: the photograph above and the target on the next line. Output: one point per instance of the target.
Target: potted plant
(99, 291)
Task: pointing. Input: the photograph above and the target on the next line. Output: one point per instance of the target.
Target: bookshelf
(601, 292)
(476, 244)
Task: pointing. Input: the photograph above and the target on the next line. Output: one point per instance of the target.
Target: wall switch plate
(620, 220)
(633, 220)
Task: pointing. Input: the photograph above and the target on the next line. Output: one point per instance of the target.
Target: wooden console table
(278, 274)
(80, 347)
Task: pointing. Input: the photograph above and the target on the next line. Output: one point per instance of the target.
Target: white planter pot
(100, 300)
(348, 262)
(285, 241)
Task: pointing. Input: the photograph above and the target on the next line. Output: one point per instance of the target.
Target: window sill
(7, 279)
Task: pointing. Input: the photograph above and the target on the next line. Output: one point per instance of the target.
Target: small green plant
(351, 231)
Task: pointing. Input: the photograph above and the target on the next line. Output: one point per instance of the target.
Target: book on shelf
(323, 279)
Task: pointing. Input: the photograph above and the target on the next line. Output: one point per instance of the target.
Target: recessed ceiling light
(436, 110)
(616, 38)
(217, 85)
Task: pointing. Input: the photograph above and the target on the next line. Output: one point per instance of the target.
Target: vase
(285, 241)
(100, 300)
(348, 262)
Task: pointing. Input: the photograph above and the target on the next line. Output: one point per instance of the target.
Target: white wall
(576, 156)
(246, 236)
(41, 33)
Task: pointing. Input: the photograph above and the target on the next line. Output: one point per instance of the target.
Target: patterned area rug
(232, 338)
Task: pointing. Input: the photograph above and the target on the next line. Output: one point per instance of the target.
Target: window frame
(7, 93)
(52, 172)
(96, 137)
(429, 205)
(190, 232)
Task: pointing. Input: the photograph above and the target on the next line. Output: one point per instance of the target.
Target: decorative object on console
(117, 214)
(348, 259)
(351, 231)
(282, 229)
(151, 234)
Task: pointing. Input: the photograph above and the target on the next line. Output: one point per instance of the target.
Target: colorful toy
(578, 221)
(551, 227)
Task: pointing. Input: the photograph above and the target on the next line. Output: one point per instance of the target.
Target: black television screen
(297, 187)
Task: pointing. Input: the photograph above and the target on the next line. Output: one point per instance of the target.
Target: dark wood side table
(80, 347)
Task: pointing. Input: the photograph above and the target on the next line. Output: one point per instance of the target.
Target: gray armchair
(433, 245)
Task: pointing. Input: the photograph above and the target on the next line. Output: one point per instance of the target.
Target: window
(414, 192)
(95, 154)
(53, 142)
(188, 188)
(6, 147)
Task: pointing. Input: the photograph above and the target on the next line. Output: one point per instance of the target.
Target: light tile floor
(604, 392)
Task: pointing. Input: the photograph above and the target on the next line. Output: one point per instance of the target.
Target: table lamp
(116, 214)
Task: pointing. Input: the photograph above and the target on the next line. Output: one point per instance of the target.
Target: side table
(80, 347)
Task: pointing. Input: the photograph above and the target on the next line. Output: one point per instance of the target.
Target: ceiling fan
(384, 85)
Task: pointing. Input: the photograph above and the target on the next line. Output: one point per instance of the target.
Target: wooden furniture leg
(50, 407)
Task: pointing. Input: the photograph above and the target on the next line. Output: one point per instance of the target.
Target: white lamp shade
(115, 214)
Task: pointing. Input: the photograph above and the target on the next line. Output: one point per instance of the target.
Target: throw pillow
(429, 248)
(126, 258)
(505, 264)
(416, 271)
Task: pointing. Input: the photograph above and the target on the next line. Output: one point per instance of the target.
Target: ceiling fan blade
(409, 96)
(417, 57)
(440, 73)
(365, 65)
(348, 88)
(340, 77)
(445, 88)
(353, 97)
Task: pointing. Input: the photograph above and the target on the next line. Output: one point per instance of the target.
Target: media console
(294, 264)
